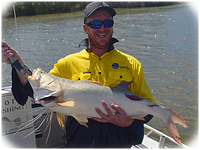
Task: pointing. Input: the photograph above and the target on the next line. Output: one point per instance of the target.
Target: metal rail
(163, 137)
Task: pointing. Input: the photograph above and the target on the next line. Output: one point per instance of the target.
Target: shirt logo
(115, 65)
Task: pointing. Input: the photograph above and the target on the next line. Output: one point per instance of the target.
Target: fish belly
(87, 97)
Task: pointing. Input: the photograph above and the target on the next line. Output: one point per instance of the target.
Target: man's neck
(97, 51)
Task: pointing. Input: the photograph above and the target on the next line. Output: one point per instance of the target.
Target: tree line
(36, 8)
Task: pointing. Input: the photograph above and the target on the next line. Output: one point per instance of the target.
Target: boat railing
(162, 136)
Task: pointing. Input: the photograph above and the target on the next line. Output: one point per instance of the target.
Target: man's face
(99, 38)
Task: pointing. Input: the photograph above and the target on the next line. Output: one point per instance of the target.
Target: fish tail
(171, 128)
(177, 119)
(61, 120)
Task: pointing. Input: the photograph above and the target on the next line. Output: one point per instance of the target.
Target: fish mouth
(35, 75)
(47, 101)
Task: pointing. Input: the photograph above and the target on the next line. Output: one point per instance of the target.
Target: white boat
(14, 116)
(150, 143)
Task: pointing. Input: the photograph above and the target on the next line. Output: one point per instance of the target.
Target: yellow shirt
(110, 69)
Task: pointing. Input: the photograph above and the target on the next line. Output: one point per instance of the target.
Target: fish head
(46, 87)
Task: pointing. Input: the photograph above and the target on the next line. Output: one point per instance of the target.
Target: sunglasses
(97, 24)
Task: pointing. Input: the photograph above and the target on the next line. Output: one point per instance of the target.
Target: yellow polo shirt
(110, 69)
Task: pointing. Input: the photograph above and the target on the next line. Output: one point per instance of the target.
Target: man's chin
(102, 46)
(103, 43)
(100, 43)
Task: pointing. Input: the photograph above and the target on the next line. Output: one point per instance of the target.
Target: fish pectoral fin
(82, 119)
(68, 103)
(83, 123)
(138, 117)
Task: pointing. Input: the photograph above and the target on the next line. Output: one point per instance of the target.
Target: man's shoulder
(73, 57)
(126, 57)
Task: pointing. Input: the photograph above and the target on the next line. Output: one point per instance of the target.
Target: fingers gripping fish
(80, 98)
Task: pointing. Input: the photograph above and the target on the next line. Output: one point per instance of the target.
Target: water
(163, 39)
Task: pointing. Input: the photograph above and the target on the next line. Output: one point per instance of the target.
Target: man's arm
(20, 87)
(20, 91)
(140, 86)
(7, 52)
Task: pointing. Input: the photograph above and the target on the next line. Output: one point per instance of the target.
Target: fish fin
(67, 103)
(137, 117)
(90, 82)
(83, 123)
(124, 85)
(61, 120)
(171, 128)
(82, 119)
(177, 119)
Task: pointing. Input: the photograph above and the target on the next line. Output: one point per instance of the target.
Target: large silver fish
(80, 98)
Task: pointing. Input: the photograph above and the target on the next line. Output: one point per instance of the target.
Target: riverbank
(37, 8)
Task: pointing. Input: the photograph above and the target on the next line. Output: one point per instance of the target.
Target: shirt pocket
(81, 76)
(119, 76)
(85, 76)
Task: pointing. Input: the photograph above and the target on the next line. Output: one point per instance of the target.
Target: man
(101, 62)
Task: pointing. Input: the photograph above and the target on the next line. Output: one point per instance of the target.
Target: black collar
(85, 43)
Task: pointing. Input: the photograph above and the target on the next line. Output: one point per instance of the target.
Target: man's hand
(119, 118)
(7, 52)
